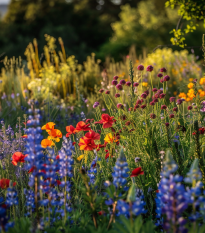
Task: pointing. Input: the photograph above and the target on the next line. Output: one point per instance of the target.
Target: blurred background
(105, 27)
(67, 50)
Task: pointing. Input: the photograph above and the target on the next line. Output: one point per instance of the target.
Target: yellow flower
(190, 85)
(175, 93)
(170, 85)
(110, 138)
(174, 82)
(144, 84)
(191, 79)
(202, 81)
(182, 95)
(200, 90)
(80, 157)
(45, 143)
(191, 91)
(202, 94)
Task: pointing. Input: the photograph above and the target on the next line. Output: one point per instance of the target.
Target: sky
(4, 1)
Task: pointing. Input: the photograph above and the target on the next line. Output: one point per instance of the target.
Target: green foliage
(190, 10)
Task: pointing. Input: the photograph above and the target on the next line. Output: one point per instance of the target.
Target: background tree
(191, 12)
(145, 26)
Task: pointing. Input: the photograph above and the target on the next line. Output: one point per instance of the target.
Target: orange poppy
(48, 126)
(55, 133)
(87, 144)
(4, 183)
(18, 157)
(45, 143)
(81, 126)
(106, 120)
(70, 129)
(92, 135)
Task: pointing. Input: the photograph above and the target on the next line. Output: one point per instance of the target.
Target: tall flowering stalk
(35, 154)
(171, 201)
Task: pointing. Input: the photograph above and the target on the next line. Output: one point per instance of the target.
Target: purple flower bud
(138, 102)
(114, 82)
(150, 68)
(122, 82)
(175, 109)
(136, 84)
(163, 107)
(147, 92)
(119, 87)
(195, 80)
(163, 70)
(152, 116)
(189, 107)
(167, 124)
(115, 77)
(166, 78)
(159, 75)
(140, 67)
(120, 106)
(179, 101)
(171, 116)
(152, 103)
(161, 96)
(161, 80)
(154, 89)
(155, 100)
(101, 90)
(117, 95)
(136, 106)
(128, 84)
(172, 99)
(143, 106)
(144, 95)
(107, 92)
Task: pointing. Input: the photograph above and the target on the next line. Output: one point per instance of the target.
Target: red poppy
(87, 144)
(18, 157)
(81, 126)
(24, 136)
(31, 170)
(92, 135)
(4, 183)
(73, 143)
(58, 157)
(70, 129)
(101, 212)
(157, 191)
(201, 130)
(106, 120)
(136, 172)
(107, 156)
(58, 182)
(194, 133)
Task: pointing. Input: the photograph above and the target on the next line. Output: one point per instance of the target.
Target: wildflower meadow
(118, 149)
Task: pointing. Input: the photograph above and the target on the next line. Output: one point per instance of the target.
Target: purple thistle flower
(150, 68)
(119, 87)
(140, 67)
(122, 82)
